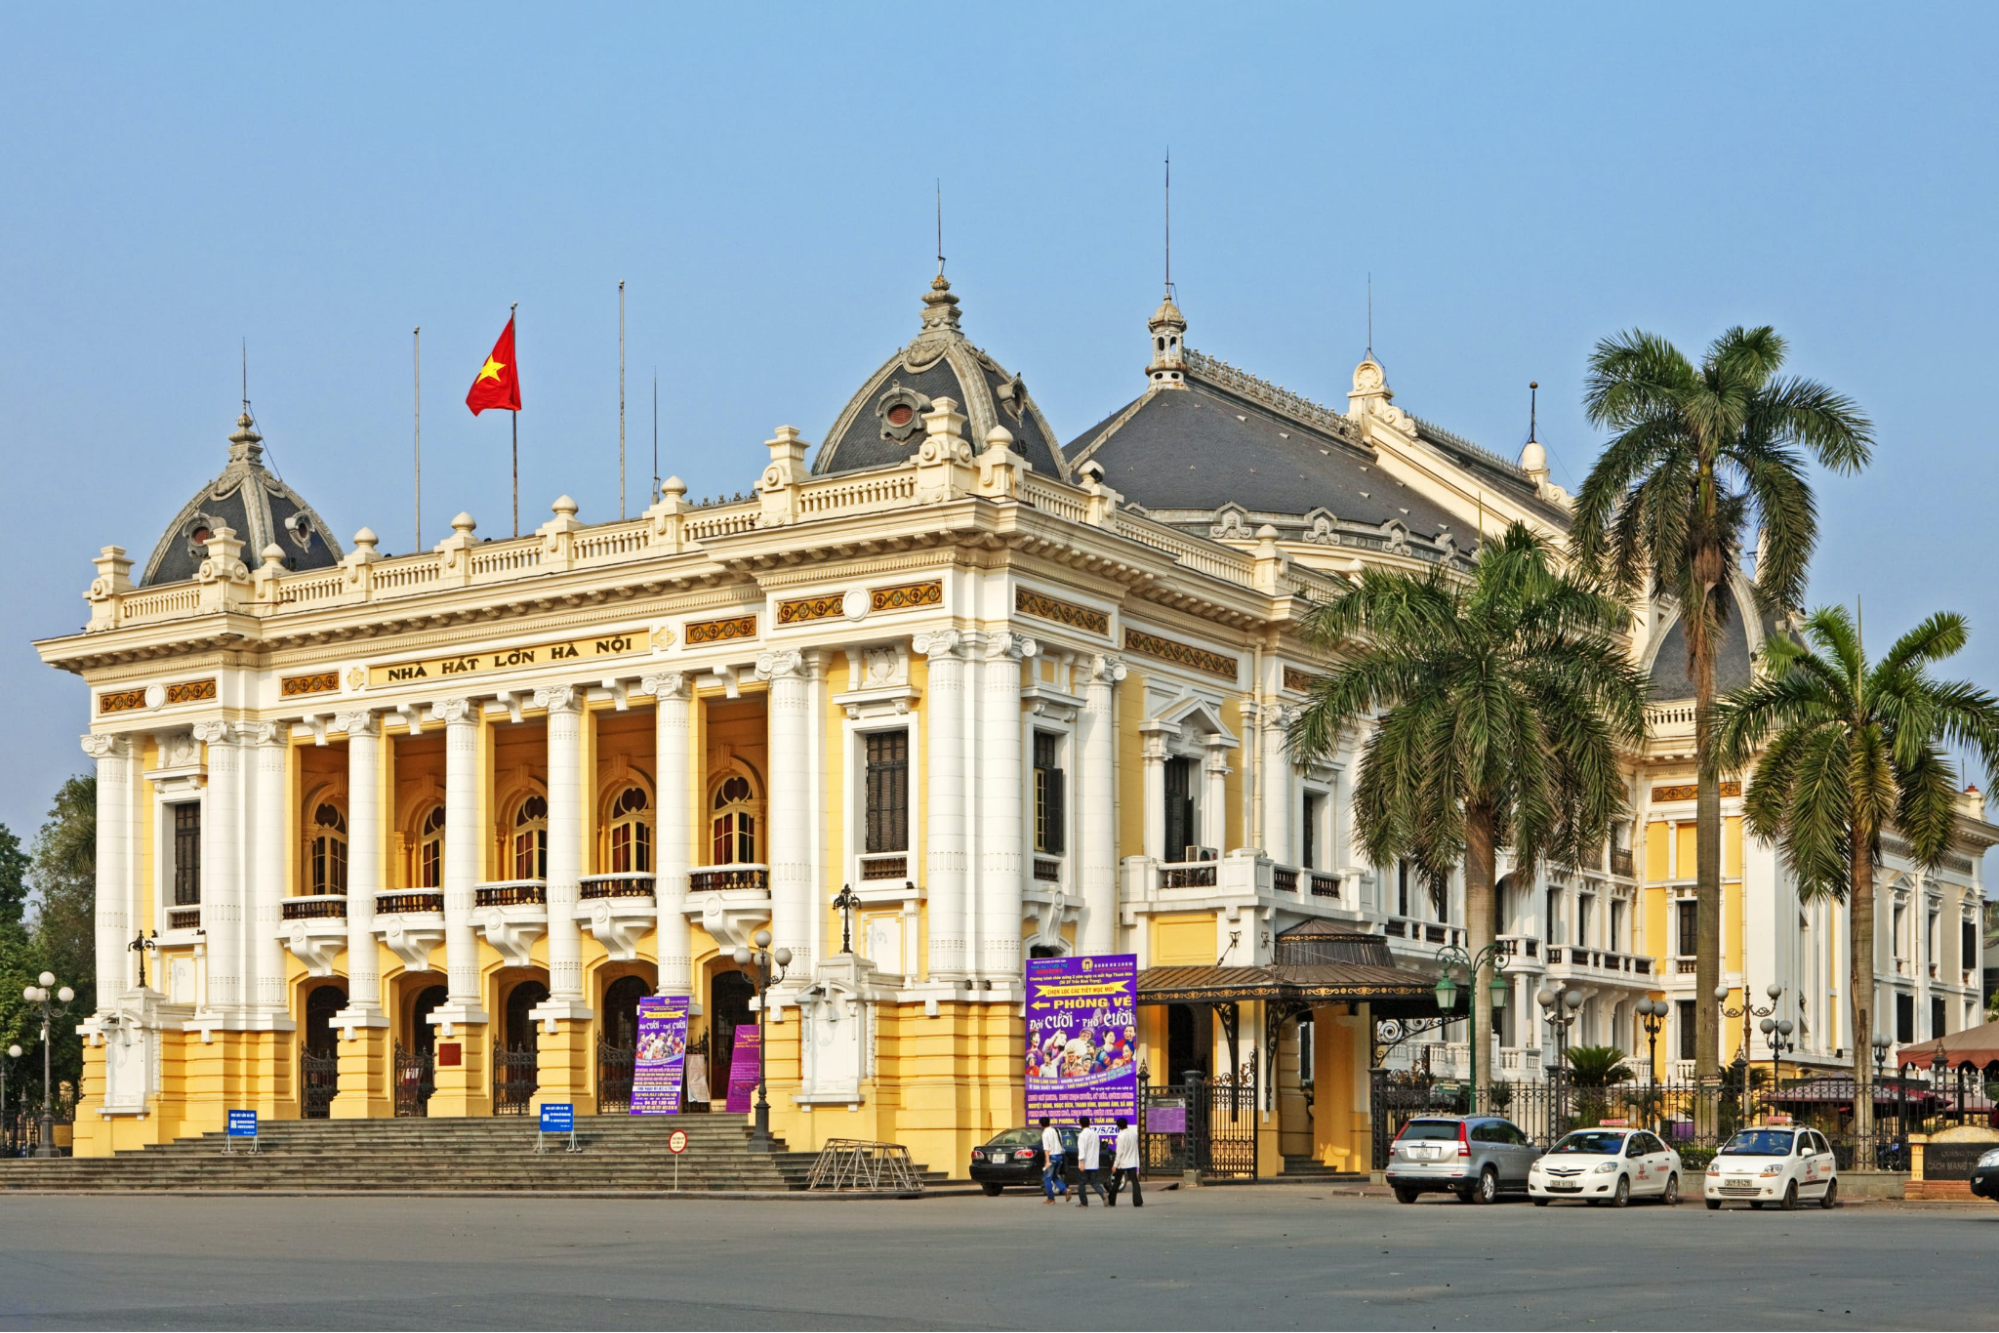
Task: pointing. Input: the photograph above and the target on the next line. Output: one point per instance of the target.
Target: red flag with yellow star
(498, 383)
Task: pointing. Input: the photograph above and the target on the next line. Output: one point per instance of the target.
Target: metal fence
(1202, 1124)
(515, 1078)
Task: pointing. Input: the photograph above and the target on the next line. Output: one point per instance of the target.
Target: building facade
(387, 836)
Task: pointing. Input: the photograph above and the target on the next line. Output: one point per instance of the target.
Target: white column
(461, 858)
(1214, 798)
(1153, 758)
(944, 839)
(1280, 792)
(221, 864)
(270, 793)
(565, 839)
(788, 821)
(1001, 835)
(114, 923)
(1096, 806)
(366, 856)
(673, 848)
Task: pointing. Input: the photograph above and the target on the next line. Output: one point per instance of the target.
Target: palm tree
(1701, 453)
(1846, 750)
(1506, 698)
(1598, 1067)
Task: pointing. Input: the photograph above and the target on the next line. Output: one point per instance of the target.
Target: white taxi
(1773, 1163)
(1606, 1164)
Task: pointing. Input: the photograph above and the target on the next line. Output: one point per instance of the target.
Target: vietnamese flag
(499, 382)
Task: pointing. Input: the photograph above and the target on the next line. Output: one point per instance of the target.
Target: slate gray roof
(1733, 667)
(259, 507)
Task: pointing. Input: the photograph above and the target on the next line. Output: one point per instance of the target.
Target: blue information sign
(557, 1117)
(242, 1125)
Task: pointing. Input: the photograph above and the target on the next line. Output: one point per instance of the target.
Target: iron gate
(318, 1082)
(1203, 1125)
(514, 1080)
(416, 1079)
(614, 1077)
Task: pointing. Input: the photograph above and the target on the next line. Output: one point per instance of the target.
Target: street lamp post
(39, 996)
(1653, 1014)
(1777, 1032)
(1451, 958)
(760, 963)
(6, 1121)
(1560, 1010)
(1746, 1012)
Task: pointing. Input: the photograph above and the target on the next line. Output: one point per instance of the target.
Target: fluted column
(461, 855)
(1096, 800)
(565, 838)
(1000, 835)
(112, 904)
(222, 864)
(270, 787)
(1279, 791)
(944, 839)
(672, 835)
(366, 854)
(1153, 760)
(789, 818)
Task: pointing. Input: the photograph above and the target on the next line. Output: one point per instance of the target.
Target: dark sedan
(1985, 1175)
(1013, 1157)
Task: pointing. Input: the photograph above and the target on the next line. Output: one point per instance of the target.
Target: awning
(1392, 992)
(1975, 1048)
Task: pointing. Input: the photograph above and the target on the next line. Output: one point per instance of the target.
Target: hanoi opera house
(412, 835)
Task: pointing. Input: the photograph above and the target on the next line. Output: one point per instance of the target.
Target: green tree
(1702, 455)
(13, 877)
(1843, 750)
(1598, 1067)
(1506, 698)
(63, 875)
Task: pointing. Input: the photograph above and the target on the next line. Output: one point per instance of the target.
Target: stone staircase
(314, 1156)
(1306, 1171)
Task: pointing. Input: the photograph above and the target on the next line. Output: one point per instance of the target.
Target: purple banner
(1082, 1037)
(661, 1054)
(743, 1068)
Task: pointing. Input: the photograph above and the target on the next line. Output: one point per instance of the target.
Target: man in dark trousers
(1125, 1164)
(1089, 1160)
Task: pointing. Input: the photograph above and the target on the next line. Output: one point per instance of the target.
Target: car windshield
(1016, 1138)
(1592, 1142)
(1759, 1143)
(1429, 1129)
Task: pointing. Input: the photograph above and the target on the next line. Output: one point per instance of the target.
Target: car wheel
(1404, 1196)
(1755, 1205)
(1714, 1205)
(1790, 1202)
(1671, 1198)
(1622, 1194)
(1831, 1195)
(1542, 1203)
(991, 1189)
(1488, 1187)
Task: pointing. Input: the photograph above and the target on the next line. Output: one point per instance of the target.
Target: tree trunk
(1860, 984)
(1707, 861)
(1480, 913)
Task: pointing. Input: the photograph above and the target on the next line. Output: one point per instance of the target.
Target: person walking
(1124, 1164)
(1089, 1157)
(1052, 1182)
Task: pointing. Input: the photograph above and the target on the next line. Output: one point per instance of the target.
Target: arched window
(631, 833)
(531, 839)
(430, 850)
(733, 821)
(329, 849)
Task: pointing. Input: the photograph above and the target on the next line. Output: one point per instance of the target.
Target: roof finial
(1533, 407)
(1370, 316)
(1169, 223)
(1533, 458)
(940, 226)
(246, 376)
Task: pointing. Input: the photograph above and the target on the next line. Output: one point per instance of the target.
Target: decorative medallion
(855, 605)
(319, 682)
(662, 638)
(1184, 654)
(121, 701)
(906, 595)
(802, 610)
(1689, 791)
(1302, 681)
(356, 678)
(1045, 607)
(156, 696)
(715, 631)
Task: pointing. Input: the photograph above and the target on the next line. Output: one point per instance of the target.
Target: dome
(258, 507)
(882, 424)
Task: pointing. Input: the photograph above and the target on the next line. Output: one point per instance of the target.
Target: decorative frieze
(191, 691)
(120, 701)
(1301, 681)
(717, 631)
(904, 596)
(803, 610)
(155, 696)
(1688, 791)
(1085, 618)
(1183, 654)
(318, 682)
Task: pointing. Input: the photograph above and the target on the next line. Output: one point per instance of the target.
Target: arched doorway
(523, 1033)
(621, 1010)
(515, 1072)
(319, 1063)
(617, 1043)
(1188, 1041)
(423, 1037)
(416, 1063)
(729, 995)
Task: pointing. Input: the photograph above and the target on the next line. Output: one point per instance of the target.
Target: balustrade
(511, 893)
(703, 879)
(638, 885)
(325, 907)
(405, 901)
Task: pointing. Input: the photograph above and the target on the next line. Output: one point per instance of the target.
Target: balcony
(512, 914)
(321, 907)
(1422, 932)
(618, 910)
(1047, 870)
(1305, 882)
(315, 930)
(1620, 862)
(1188, 874)
(411, 923)
(617, 886)
(184, 918)
(728, 901)
(512, 893)
(730, 878)
(1598, 964)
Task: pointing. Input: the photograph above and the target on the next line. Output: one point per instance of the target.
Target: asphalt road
(1244, 1257)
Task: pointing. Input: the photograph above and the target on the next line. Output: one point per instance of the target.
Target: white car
(1778, 1164)
(1606, 1164)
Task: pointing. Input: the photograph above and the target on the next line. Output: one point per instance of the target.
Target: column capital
(1106, 670)
(105, 747)
(358, 722)
(1001, 643)
(559, 698)
(265, 733)
(454, 712)
(665, 685)
(214, 732)
(780, 662)
(937, 643)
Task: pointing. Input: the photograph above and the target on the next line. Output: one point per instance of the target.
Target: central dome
(254, 504)
(882, 425)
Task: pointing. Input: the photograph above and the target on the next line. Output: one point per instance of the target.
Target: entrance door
(515, 1076)
(1181, 830)
(617, 1045)
(319, 1063)
(729, 996)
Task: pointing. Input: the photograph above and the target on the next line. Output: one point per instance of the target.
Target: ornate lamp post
(760, 964)
(51, 1011)
(1451, 958)
(844, 902)
(1748, 1011)
(1653, 1014)
(6, 1121)
(1777, 1031)
(1559, 1009)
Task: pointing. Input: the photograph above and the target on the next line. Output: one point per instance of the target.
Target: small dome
(882, 424)
(261, 510)
(1533, 458)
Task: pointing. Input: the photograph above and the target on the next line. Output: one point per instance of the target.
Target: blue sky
(1520, 182)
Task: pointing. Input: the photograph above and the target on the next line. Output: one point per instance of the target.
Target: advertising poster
(661, 1053)
(1082, 1037)
(743, 1069)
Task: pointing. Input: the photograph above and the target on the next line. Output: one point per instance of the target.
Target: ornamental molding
(666, 685)
(1086, 618)
(317, 682)
(780, 662)
(907, 596)
(156, 696)
(106, 747)
(1690, 791)
(804, 610)
(1301, 681)
(1181, 654)
(697, 632)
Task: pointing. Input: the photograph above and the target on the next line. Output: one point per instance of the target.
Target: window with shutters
(732, 822)
(329, 849)
(1936, 1016)
(531, 839)
(1050, 795)
(187, 854)
(1180, 825)
(631, 833)
(888, 791)
(1905, 1018)
(1687, 913)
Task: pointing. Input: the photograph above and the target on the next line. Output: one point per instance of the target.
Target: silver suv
(1476, 1157)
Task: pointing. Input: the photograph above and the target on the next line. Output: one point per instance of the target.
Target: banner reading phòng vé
(743, 1069)
(660, 1055)
(1082, 1037)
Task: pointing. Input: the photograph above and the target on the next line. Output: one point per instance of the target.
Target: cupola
(256, 505)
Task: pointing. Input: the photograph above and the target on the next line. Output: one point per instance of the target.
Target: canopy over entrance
(1974, 1048)
(1315, 964)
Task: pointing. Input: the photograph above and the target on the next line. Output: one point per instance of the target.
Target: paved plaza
(1259, 1258)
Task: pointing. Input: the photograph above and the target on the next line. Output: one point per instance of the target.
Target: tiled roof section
(1477, 459)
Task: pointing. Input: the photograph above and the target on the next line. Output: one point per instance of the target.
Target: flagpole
(513, 322)
(416, 371)
(621, 398)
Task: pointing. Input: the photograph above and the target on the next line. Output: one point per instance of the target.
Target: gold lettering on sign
(319, 682)
(715, 631)
(621, 644)
(804, 609)
(1045, 607)
(1185, 654)
(906, 595)
(1688, 791)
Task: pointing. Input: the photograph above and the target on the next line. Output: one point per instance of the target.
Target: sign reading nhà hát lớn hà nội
(622, 644)
(1082, 1037)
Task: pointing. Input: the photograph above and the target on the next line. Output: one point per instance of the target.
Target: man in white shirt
(1052, 1182)
(1089, 1152)
(1125, 1164)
